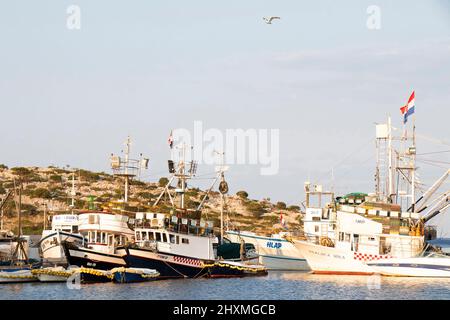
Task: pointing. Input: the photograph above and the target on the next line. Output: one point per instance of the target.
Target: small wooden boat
(55, 274)
(130, 275)
(233, 269)
(89, 275)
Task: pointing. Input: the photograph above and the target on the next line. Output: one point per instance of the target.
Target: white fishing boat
(64, 229)
(275, 252)
(430, 265)
(360, 239)
(377, 229)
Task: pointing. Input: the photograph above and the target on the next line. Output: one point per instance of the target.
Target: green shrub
(280, 205)
(242, 194)
(255, 208)
(138, 183)
(89, 176)
(41, 193)
(55, 178)
(163, 182)
(294, 208)
(21, 171)
(145, 195)
(3, 167)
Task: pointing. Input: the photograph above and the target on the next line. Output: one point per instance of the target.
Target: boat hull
(413, 267)
(275, 254)
(169, 266)
(327, 260)
(128, 275)
(231, 269)
(83, 257)
(51, 249)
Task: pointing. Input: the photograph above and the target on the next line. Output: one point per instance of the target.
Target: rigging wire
(357, 150)
(435, 152)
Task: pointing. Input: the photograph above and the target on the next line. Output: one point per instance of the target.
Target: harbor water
(277, 285)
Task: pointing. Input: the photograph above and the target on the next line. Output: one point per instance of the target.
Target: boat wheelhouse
(104, 232)
(176, 246)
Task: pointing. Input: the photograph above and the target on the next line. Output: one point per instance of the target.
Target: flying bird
(269, 20)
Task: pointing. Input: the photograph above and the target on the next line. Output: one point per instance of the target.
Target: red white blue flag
(282, 221)
(409, 109)
(170, 140)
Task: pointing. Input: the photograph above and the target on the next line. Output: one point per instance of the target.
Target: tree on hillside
(280, 205)
(242, 194)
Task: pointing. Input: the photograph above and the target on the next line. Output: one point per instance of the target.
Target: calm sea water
(277, 285)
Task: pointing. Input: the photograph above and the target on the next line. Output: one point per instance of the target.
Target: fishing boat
(131, 275)
(104, 233)
(276, 252)
(376, 229)
(182, 244)
(64, 229)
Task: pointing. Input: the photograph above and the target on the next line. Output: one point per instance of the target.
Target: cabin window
(138, 235)
(341, 236)
(178, 239)
(316, 228)
(151, 236)
(316, 219)
(184, 240)
(144, 235)
(347, 237)
(164, 237)
(371, 239)
(158, 236)
(75, 229)
(172, 238)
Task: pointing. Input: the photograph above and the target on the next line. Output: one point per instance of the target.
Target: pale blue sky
(145, 67)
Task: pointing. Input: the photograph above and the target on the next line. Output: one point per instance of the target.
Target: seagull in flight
(269, 20)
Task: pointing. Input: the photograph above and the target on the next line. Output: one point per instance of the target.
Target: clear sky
(142, 68)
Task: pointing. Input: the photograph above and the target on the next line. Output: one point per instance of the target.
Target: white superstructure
(105, 231)
(64, 228)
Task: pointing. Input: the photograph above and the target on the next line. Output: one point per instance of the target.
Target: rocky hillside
(51, 188)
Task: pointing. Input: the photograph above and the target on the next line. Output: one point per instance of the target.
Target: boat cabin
(181, 236)
(65, 223)
(105, 232)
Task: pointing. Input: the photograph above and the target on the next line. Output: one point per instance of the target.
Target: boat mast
(127, 160)
(72, 192)
(128, 168)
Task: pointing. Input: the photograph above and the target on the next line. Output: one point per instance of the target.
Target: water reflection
(278, 285)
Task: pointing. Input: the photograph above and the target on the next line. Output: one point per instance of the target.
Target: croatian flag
(282, 221)
(170, 140)
(409, 108)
